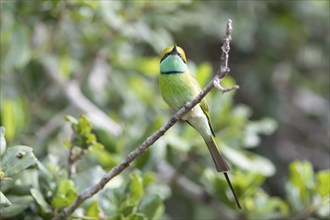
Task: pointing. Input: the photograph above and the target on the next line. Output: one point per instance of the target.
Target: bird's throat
(173, 64)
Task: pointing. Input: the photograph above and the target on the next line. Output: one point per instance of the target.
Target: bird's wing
(205, 109)
(196, 90)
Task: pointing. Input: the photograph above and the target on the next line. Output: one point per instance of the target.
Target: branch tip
(217, 85)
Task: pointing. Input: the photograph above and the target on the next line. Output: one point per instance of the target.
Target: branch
(73, 158)
(223, 70)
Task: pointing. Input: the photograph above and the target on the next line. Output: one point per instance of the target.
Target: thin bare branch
(223, 65)
(225, 48)
(156, 135)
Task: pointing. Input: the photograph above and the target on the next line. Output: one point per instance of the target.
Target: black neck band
(172, 72)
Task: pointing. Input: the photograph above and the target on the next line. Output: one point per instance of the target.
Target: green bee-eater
(177, 87)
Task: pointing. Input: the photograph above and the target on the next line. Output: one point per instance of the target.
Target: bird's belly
(195, 112)
(197, 118)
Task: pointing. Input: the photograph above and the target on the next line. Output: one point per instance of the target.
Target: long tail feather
(221, 165)
(232, 190)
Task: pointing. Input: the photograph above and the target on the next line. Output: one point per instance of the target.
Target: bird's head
(173, 60)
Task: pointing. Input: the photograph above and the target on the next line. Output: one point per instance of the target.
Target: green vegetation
(79, 91)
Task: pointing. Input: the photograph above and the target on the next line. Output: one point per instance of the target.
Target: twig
(223, 69)
(225, 48)
(155, 136)
(71, 168)
(73, 158)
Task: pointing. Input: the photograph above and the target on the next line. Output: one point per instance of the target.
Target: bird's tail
(221, 165)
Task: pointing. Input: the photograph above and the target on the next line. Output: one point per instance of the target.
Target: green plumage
(178, 87)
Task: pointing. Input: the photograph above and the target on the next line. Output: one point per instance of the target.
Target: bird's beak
(174, 51)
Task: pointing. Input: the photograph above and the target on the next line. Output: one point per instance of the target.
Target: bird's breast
(176, 89)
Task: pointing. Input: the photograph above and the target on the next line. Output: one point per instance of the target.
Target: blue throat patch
(173, 64)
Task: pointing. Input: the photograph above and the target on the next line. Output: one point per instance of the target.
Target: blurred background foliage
(101, 58)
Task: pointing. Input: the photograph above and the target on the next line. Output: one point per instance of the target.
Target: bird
(177, 87)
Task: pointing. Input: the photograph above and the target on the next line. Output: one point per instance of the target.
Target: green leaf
(152, 206)
(23, 182)
(16, 159)
(3, 143)
(13, 115)
(83, 136)
(66, 194)
(4, 202)
(38, 197)
(126, 208)
(262, 206)
(65, 186)
(71, 119)
(83, 126)
(301, 184)
(136, 188)
(248, 182)
(249, 161)
(93, 210)
(137, 216)
(148, 178)
(302, 176)
(323, 183)
(19, 203)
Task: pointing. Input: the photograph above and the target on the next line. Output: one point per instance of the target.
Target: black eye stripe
(166, 55)
(180, 55)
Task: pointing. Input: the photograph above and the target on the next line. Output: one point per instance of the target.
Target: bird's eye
(180, 55)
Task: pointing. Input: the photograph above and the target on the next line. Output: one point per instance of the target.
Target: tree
(99, 58)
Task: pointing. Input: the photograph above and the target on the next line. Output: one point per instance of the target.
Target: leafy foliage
(55, 55)
(14, 160)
